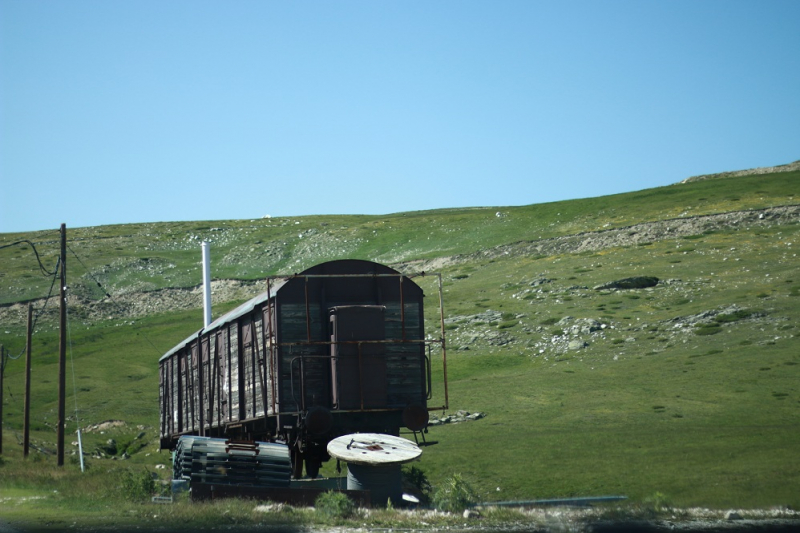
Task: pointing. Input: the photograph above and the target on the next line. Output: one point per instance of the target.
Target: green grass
(151, 256)
(701, 419)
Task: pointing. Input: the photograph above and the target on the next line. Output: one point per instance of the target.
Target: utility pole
(26, 418)
(2, 371)
(62, 349)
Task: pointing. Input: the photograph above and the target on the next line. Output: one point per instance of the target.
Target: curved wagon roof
(340, 267)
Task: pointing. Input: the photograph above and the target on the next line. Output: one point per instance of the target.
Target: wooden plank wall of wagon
(162, 399)
(207, 381)
(224, 376)
(270, 352)
(246, 361)
(250, 360)
(233, 371)
(175, 398)
(186, 397)
(182, 389)
(216, 378)
(405, 363)
(316, 370)
(260, 363)
(166, 397)
(194, 386)
(184, 421)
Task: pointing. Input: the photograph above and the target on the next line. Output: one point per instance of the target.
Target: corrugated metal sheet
(220, 461)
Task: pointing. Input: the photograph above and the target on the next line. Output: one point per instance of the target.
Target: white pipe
(206, 284)
(80, 450)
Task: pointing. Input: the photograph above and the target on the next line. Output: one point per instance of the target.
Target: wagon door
(358, 357)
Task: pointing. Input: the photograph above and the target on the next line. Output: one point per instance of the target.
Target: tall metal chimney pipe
(206, 284)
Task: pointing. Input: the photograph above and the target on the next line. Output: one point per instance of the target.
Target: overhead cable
(40, 312)
(89, 272)
(26, 241)
(111, 298)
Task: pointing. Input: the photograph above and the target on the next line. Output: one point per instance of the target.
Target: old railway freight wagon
(339, 348)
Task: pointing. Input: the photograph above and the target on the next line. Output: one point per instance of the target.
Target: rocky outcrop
(635, 235)
(636, 282)
(459, 416)
(749, 172)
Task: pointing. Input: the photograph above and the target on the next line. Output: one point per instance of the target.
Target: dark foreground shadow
(743, 526)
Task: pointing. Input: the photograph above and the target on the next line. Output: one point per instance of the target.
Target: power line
(75, 390)
(40, 312)
(89, 272)
(108, 295)
(45, 272)
(36, 252)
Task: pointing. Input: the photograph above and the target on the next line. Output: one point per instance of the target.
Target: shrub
(726, 318)
(707, 329)
(454, 495)
(417, 479)
(658, 502)
(334, 505)
(137, 486)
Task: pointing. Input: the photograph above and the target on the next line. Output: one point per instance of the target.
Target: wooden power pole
(26, 417)
(62, 349)
(2, 371)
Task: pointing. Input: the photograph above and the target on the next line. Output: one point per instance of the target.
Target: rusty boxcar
(339, 348)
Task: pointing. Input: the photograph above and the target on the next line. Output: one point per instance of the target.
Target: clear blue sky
(143, 111)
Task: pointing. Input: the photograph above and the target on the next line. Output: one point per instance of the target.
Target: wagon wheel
(297, 463)
(312, 467)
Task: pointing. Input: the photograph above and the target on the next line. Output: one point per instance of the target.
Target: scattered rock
(103, 426)
(110, 447)
(460, 416)
(577, 344)
(729, 313)
(471, 513)
(498, 339)
(583, 326)
(732, 515)
(269, 508)
(635, 282)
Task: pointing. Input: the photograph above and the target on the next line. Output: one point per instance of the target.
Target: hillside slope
(687, 388)
(134, 304)
(789, 167)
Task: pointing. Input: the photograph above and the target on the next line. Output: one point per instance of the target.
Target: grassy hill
(687, 390)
